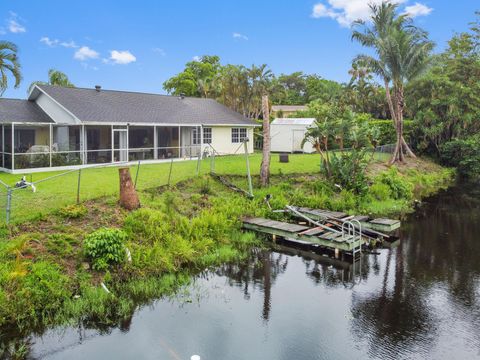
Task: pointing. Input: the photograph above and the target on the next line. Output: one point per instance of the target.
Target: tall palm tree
(9, 64)
(402, 54)
(55, 77)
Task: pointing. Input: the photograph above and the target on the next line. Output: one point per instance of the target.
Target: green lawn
(61, 191)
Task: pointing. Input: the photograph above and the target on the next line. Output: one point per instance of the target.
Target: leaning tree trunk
(265, 168)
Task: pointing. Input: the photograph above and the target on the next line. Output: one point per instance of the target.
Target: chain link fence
(28, 196)
(42, 193)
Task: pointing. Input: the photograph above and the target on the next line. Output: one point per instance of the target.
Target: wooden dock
(313, 235)
(380, 224)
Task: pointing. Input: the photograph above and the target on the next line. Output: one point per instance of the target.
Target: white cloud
(14, 25)
(69, 44)
(196, 58)
(237, 35)
(49, 42)
(122, 57)
(417, 10)
(55, 42)
(85, 53)
(345, 12)
(159, 51)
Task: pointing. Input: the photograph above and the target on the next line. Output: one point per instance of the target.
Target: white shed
(287, 135)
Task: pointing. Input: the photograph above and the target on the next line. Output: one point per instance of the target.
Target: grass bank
(47, 277)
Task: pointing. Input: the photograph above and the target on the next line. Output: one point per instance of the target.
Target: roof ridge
(14, 99)
(123, 91)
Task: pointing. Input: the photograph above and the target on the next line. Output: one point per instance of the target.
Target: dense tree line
(240, 87)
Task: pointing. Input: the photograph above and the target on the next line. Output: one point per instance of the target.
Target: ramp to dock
(315, 235)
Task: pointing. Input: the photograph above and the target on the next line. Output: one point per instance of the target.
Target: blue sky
(137, 45)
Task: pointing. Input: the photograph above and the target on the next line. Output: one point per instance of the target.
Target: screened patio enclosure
(45, 145)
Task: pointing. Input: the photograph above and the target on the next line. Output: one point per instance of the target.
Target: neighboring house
(284, 111)
(287, 135)
(65, 127)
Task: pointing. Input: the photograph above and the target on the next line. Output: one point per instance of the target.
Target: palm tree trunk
(265, 168)
(401, 145)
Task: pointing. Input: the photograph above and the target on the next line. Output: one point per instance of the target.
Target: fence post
(212, 162)
(136, 174)
(249, 176)
(9, 204)
(78, 186)
(198, 164)
(170, 173)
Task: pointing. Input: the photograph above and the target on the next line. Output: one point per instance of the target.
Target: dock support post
(337, 253)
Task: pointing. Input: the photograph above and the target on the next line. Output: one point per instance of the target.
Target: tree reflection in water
(439, 250)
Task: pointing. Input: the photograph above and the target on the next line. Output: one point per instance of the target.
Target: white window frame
(237, 136)
(196, 137)
(207, 135)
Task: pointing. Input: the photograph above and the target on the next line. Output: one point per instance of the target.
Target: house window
(196, 140)
(239, 135)
(207, 135)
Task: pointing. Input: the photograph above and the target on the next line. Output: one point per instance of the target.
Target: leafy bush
(380, 191)
(400, 188)
(464, 155)
(105, 247)
(73, 211)
(348, 170)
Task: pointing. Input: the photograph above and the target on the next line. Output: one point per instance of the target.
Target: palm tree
(9, 64)
(55, 77)
(402, 54)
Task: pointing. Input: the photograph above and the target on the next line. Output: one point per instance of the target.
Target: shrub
(348, 170)
(73, 211)
(380, 191)
(399, 187)
(105, 247)
(464, 155)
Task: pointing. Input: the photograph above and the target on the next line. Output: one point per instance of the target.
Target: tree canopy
(55, 77)
(9, 65)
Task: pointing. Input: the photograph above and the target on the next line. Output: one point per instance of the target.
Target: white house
(287, 135)
(59, 127)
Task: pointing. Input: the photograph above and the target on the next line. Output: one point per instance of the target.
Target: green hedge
(387, 131)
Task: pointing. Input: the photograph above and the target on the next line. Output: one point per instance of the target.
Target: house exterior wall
(222, 140)
(282, 138)
(54, 110)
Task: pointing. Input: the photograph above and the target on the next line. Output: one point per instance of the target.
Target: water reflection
(418, 300)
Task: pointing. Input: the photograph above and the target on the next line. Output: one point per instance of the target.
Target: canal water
(419, 300)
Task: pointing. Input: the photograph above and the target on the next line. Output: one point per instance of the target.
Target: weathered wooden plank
(384, 221)
(313, 231)
(387, 225)
(361, 218)
(275, 224)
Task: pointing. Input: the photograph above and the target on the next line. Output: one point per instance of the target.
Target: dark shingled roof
(16, 110)
(110, 106)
